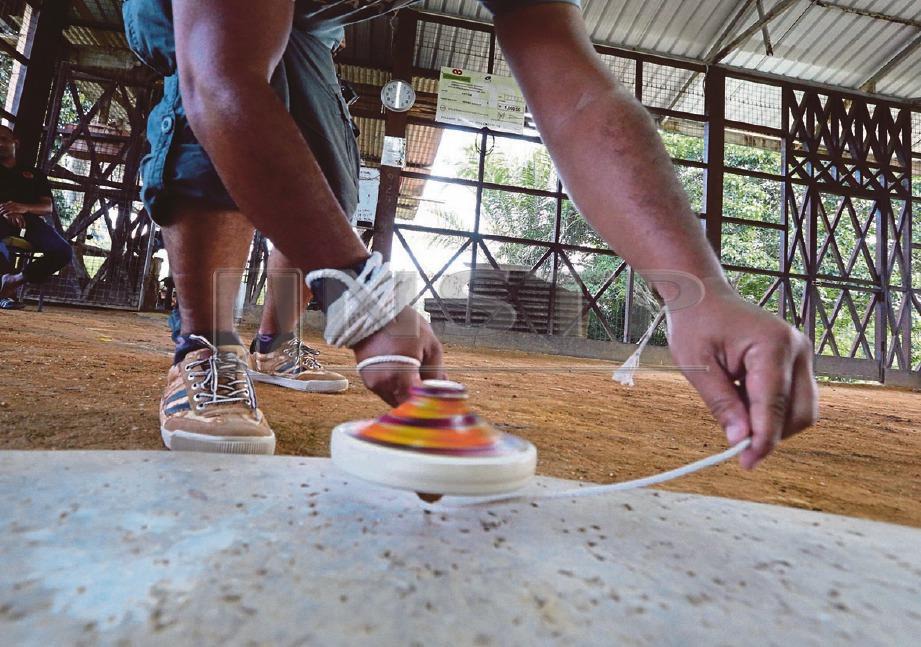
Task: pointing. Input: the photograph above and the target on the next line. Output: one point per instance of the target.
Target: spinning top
(434, 444)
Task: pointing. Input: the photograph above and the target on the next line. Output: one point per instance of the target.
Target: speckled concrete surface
(154, 548)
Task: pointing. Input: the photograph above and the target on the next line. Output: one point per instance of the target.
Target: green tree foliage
(747, 246)
(528, 216)
(533, 217)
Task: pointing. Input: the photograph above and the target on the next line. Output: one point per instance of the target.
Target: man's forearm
(274, 177)
(40, 208)
(757, 380)
(621, 178)
(605, 146)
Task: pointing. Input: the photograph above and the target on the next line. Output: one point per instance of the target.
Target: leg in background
(286, 296)
(6, 258)
(9, 280)
(277, 354)
(56, 252)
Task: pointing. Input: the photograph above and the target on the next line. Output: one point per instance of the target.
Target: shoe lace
(305, 356)
(223, 378)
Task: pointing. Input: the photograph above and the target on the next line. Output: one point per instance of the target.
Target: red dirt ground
(91, 379)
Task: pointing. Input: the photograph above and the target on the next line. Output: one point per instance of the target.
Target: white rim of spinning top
(417, 471)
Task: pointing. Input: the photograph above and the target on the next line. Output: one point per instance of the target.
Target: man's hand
(621, 177)
(14, 212)
(758, 380)
(410, 335)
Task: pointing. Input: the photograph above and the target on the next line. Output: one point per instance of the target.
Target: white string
(388, 359)
(597, 490)
(371, 301)
(625, 372)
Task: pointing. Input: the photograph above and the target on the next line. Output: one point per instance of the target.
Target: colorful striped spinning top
(434, 443)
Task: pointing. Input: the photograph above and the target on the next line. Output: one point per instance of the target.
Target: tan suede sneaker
(295, 365)
(209, 405)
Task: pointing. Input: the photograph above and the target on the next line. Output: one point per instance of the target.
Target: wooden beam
(715, 151)
(768, 48)
(404, 43)
(909, 49)
(777, 10)
(876, 15)
(47, 31)
(97, 25)
(13, 51)
(81, 9)
(756, 76)
(744, 8)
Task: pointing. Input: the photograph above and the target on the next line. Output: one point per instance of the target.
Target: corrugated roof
(684, 28)
(827, 42)
(832, 46)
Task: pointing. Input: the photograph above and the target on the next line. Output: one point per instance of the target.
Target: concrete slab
(154, 548)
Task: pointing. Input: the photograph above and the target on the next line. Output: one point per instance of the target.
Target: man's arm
(226, 52)
(618, 173)
(15, 212)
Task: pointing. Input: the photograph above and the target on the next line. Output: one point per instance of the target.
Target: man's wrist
(680, 289)
(326, 291)
(717, 293)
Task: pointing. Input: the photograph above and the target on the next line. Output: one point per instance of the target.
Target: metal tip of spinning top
(429, 498)
(434, 445)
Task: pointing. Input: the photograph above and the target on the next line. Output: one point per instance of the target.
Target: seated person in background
(171, 305)
(25, 198)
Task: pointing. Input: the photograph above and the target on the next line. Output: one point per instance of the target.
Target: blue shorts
(177, 166)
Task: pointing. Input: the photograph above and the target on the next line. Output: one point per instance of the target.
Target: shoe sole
(186, 441)
(310, 386)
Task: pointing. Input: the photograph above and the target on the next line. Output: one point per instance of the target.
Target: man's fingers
(804, 403)
(723, 399)
(768, 380)
(391, 382)
(433, 362)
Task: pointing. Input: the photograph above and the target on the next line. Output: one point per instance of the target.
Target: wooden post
(46, 29)
(20, 54)
(714, 149)
(631, 277)
(785, 291)
(394, 126)
(884, 299)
